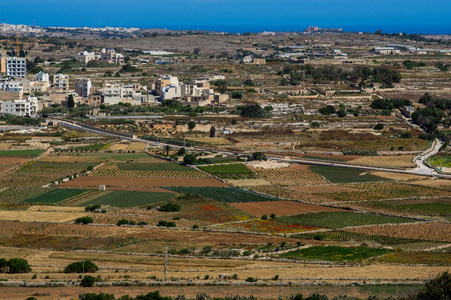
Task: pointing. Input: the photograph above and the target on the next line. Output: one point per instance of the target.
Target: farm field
(95, 181)
(280, 208)
(398, 176)
(440, 161)
(273, 227)
(67, 156)
(40, 216)
(335, 220)
(126, 199)
(38, 173)
(295, 174)
(57, 195)
(334, 253)
(230, 171)
(149, 174)
(396, 161)
(21, 153)
(423, 258)
(223, 194)
(435, 183)
(131, 146)
(384, 190)
(438, 232)
(344, 175)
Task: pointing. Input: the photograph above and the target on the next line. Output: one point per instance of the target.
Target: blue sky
(241, 15)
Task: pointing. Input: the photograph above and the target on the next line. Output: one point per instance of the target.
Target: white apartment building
(61, 81)
(83, 87)
(164, 81)
(41, 76)
(11, 86)
(16, 67)
(86, 56)
(113, 94)
(23, 108)
(110, 55)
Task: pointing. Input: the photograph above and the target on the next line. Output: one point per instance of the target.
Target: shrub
(272, 216)
(84, 220)
(92, 296)
(379, 126)
(92, 207)
(18, 265)
(189, 159)
(142, 223)
(166, 224)
(123, 222)
(170, 207)
(251, 279)
(264, 217)
(87, 281)
(86, 266)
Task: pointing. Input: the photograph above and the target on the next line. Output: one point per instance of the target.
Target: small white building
(11, 86)
(86, 56)
(42, 76)
(23, 108)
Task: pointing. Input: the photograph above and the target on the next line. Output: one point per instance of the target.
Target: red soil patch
(13, 160)
(210, 207)
(95, 181)
(280, 208)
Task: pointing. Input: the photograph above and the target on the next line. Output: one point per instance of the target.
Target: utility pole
(189, 270)
(165, 264)
(281, 285)
(148, 88)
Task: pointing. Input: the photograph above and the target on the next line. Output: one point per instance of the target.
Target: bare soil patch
(13, 160)
(248, 182)
(397, 161)
(140, 189)
(281, 208)
(267, 164)
(437, 183)
(132, 146)
(95, 181)
(42, 216)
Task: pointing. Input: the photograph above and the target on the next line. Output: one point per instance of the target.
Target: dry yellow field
(45, 208)
(5, 146)
(211, 141)
(437, 183)
(248, 182)
(141, 267)
(398, 161)
(398, 176)
(132, 146)
(41, 216)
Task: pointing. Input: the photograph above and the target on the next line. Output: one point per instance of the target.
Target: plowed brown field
(95, 181)
(281, 208)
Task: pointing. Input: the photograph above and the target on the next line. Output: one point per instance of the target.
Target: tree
(196, 51)
(191, 125)
(253, 111)
(341, 113)
(327, 110)
(234, 122)
(167, 148)
(237, 95)
(379, 126)
(87, 281)
(84, 220)
(259, 156)
(18, 265)
(86, 266)
(170, 207)
(181, 151)
(71, 101)
(189, 159)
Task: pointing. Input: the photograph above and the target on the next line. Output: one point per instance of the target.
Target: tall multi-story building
(61, 81)
(41, 76)
(165, 81)
(16, 67)
(83, 87)
(110, 55)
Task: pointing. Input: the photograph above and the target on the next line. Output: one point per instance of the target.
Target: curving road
(421, 168)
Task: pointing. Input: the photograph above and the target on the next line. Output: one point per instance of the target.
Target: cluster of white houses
(107, 55)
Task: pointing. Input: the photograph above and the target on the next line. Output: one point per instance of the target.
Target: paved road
(420, 170)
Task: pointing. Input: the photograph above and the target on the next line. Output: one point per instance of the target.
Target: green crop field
(163, 166)
(126, 199)
(340, 235)
(335, 253)
(21, 153)
(440, 161)
(223, 194)
(336, 220)
(226, 169)
(440, 208)
(345, 175)
(57, 195)
(230, 171)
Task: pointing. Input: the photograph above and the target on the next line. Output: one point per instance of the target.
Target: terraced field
(295, 174)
